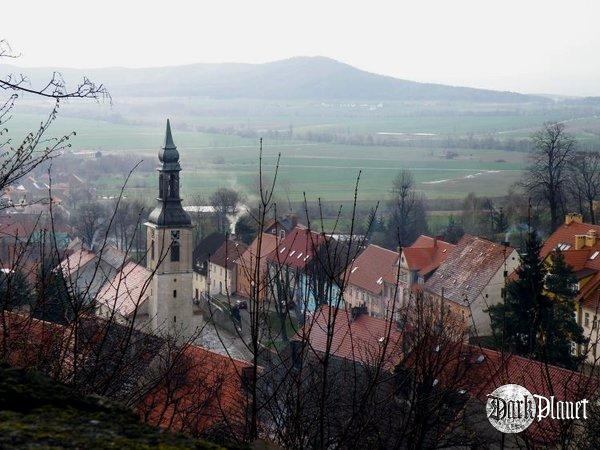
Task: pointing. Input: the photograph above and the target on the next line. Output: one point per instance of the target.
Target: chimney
(573, 218)
(580, 241)
(293, 220)
(247, 376)
(590, 238)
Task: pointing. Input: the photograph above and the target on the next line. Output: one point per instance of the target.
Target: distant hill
(301, 78)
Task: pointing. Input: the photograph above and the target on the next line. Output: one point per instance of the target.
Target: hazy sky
(523, 45)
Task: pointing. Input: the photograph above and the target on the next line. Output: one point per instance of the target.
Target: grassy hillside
(36, 412)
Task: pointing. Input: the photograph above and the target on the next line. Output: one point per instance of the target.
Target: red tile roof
(228, 253)
(208, 394)
(18, 226)
(33, 343)
(477, 372)
(584, 262)
(247, 265)
(370, 268)
(565, 234)
(127, 290)
(298, 248)
(203, 390)
(497, 369)
(360, 339)
(468, 269)
(251, 255)
(426, 254)
(577, 259)
(76, 261)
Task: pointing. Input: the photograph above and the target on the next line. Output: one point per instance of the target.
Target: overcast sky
(522, 45)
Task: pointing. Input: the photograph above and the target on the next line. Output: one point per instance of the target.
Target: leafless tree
(127, 218)
(584, 175)
(547, 175)
(20, 158)
(225, 201)
(400, 389)
(87, 219)
(412, 386)
(56, 328)
(407, 209)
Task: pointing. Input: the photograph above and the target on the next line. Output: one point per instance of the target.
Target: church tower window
(175, 245)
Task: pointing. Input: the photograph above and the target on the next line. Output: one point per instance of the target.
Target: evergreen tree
(15, 291)
(537, 318)
(559, 325)
(246, 228)
(55, 301)
(516, 320)
(453, 231)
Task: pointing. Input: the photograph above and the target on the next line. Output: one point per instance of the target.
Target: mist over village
(317, 226)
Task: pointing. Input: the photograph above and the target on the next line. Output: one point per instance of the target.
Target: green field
(321, 170)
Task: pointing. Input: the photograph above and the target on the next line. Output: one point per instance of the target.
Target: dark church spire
(169, 212)
(169, 137)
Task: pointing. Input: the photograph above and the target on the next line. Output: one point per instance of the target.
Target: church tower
(169, 255)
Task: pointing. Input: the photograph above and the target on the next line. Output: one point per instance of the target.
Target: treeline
(333, 136)
(446, 142)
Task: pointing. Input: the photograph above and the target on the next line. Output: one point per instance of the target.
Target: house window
(174, 293)
(587, 319)
(196, 293)
(175, 245)
(175, 319)
(152, 249)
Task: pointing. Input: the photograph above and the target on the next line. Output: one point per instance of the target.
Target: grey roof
(468, 269)
(205, 249)
(168, 154)
(169, 212)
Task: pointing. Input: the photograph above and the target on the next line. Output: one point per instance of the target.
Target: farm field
(322, 170)
(213, 159)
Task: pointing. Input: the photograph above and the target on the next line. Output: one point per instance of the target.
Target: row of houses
(307, 269)
(34, 190)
